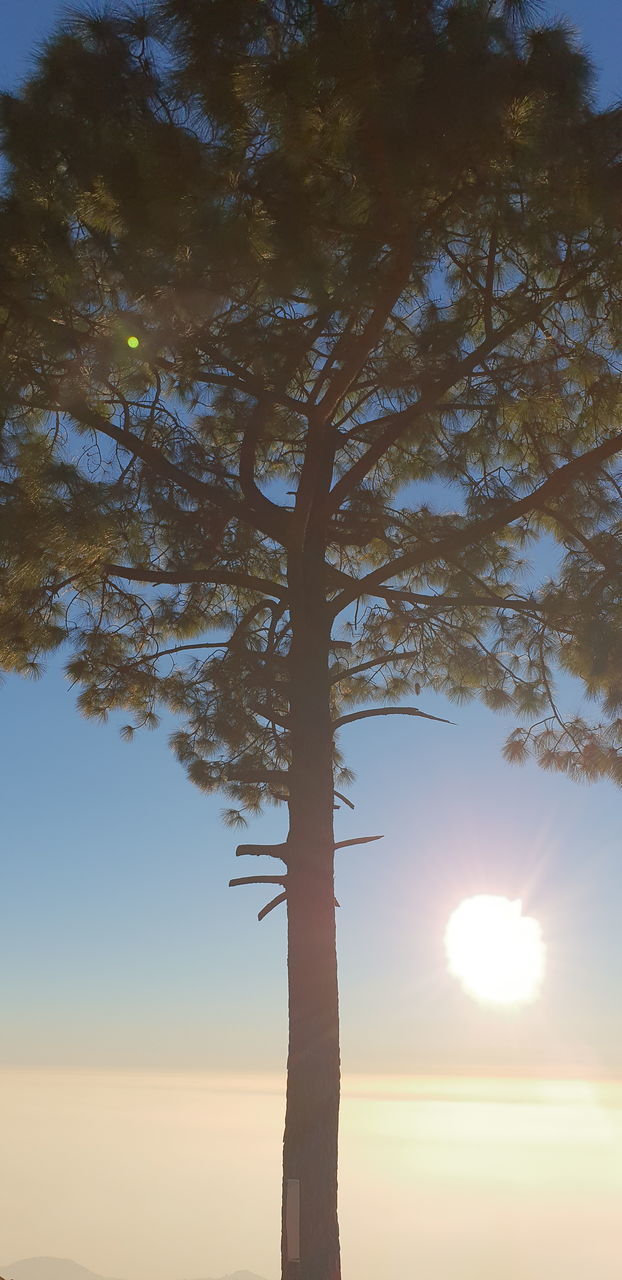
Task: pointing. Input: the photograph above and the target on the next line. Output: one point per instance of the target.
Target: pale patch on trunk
(292, 1219)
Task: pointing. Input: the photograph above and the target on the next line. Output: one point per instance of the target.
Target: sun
(496, 953)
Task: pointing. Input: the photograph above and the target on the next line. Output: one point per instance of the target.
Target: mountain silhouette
(66, 1269)
(47, 1269)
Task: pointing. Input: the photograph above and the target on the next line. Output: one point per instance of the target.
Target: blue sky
(121, 944)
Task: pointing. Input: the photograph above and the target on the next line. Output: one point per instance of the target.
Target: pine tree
(312, 313)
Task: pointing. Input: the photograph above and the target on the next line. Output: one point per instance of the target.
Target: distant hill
(65, 1269)
(47, 1269)
(242, 1275)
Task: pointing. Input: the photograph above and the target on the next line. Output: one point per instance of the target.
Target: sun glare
(496, 953)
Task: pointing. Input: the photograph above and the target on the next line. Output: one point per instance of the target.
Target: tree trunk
(310, 1227)
(310, 1232)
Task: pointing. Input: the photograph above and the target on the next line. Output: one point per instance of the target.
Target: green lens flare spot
(133, 343)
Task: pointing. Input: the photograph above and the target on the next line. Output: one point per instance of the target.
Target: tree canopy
(229, 226)
(312, 315)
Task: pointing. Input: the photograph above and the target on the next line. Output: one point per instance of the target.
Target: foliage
(370, 252)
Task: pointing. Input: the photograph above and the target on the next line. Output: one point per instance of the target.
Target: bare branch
(386, 711)
(280, 851)
(275, 902)
(262, 851)
(281, 897)
(345, 800)
(345, 844)
(258, 880)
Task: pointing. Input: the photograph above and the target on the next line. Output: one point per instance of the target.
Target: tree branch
(211, 577)
(225, 501)
(257, 880)
(380, 661)
(262, 850)
(240, 378)
(392, 426)
(259, 777)
(386, 711)
(272, 717)
(461, 539)
(281, 897)
(489, 286)
(588, 543)
(345, 800)
(257, 500)
(363, 344)
(345, 844)
(438, 603)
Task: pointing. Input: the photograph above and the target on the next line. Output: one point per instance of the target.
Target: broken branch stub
(344, 844)
(262, 850)
(340, 796)
(271, 905)
(258, 880)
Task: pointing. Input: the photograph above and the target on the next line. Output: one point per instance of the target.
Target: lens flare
(495, 952)
(133, 342)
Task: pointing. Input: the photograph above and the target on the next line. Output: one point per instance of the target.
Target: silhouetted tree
(312, 318)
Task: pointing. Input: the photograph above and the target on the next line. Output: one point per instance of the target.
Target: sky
(134, 982)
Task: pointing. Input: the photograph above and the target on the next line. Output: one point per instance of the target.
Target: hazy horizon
(47, 1268)
(177, 1174)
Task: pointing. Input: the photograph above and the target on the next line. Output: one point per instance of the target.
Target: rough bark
(312, 1110)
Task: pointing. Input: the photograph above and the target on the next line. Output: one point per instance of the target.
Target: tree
(312, 313)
